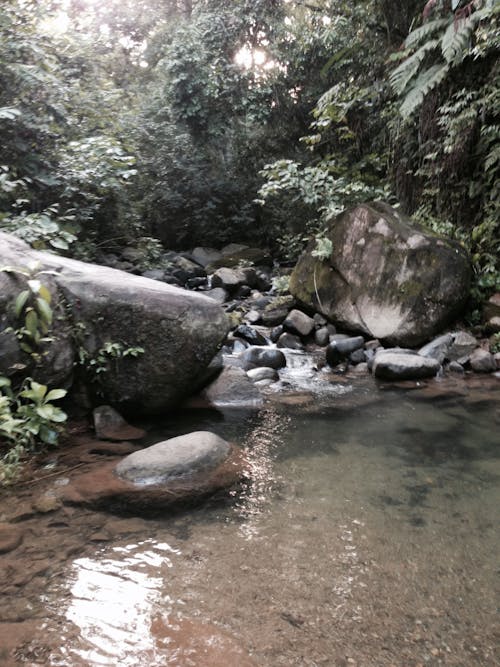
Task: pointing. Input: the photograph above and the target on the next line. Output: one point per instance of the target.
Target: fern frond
(403, 74)
(424, 31)
(456, 40)
(428, 79)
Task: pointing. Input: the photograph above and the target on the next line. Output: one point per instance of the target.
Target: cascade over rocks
(179, 331)
(386, 277)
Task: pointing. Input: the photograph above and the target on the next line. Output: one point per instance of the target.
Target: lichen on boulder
(386, 277)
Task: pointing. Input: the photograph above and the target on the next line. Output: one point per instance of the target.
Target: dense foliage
(179, 119)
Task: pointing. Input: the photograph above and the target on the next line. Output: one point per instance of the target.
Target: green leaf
(36, 391)
(45, 294)
(59, 243)
(44, 310)
(31, 322)
(20, 302)
(48, 435)
(56, 394)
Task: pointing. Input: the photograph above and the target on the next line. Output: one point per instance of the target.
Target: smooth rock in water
(357, 357)
(10, 537)
(185, 455)
(233, 388)
(341, 348)
(386, 277)
(455, 367)
(439, 348)
(288, 340)
(276, 311)
(276, 333)
(250, 334)
(462, 347)
(240, 346)
(258, 356)
(496, 358)
(299, 323)
(110, 425)
(264, 373)
(322, 336)
(178, 331)
(399, 366)
(482, 361)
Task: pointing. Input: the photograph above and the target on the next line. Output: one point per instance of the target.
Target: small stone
(299, 323)
(482, 361)
(264, 373)
(400, 366)
(250, 334)
(47, 503)
(455, 367)
(322, 336)
(110, 425)
(290, 341)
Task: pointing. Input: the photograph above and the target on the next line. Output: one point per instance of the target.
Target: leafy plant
(32, 308)
(28, 419)
(99, 362)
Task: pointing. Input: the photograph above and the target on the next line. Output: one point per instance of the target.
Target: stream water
(367, 538)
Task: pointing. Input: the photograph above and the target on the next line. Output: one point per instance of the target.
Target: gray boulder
(263, 356)
(386, 277)
(401, 366)
(299, 323)
(482, 361)
(439, 348)
(462, 347)
(179, 331)
(179, 457)
(233, 388)
(233, 279)
(341, 348)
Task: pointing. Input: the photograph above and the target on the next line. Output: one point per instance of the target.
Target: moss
(410, 288)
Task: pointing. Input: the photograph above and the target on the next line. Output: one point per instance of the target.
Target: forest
(188, 122)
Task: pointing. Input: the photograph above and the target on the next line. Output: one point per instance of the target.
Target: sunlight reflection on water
(113, 602)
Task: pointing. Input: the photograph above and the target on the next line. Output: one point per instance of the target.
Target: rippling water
(367, 537)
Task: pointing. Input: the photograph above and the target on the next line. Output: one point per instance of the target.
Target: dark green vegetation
(209, 121)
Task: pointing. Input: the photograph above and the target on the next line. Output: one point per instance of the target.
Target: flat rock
(399, 366)
(177, 457)
(167, 477)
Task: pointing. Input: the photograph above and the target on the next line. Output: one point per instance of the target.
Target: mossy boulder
(145, 345)
(386, 277)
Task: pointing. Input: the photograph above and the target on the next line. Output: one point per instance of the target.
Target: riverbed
(367, 536)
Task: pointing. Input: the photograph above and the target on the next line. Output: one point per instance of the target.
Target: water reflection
(113, 602)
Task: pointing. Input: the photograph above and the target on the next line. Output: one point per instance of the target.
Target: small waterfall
(304, 372)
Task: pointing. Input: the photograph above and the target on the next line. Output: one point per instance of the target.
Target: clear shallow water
(368, 537)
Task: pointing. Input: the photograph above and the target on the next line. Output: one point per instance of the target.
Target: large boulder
(106, 309)
(386, 277)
